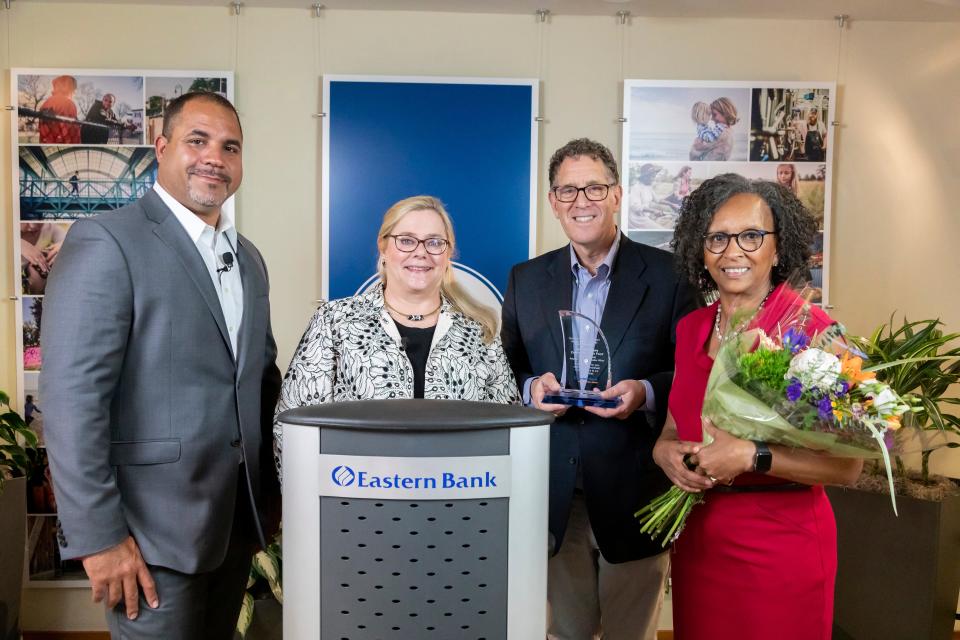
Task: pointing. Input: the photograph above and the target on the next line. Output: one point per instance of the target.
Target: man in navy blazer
(159, 381)
(603, 571)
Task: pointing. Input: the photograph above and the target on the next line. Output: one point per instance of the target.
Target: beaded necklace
(716, 320)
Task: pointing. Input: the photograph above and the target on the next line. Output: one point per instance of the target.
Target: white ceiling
(896, 10)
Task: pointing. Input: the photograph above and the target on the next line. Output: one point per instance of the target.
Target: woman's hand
(726, 457)
(669, 454)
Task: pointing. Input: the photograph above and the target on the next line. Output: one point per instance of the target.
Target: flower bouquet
(787, 376)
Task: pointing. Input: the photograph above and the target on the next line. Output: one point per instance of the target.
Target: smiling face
(201, 163)
(590, 226)
(746, 274)
(416, 272)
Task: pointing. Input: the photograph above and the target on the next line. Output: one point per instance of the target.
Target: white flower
(885, 401)
(814, 368)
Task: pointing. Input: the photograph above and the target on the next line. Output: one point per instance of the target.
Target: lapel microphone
(227, 259)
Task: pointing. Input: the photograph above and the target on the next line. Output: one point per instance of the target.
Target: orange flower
(850, 367)
(893, 423)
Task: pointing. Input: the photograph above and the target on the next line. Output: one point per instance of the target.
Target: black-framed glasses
(409, 244)
(593, 192)
(749, 240)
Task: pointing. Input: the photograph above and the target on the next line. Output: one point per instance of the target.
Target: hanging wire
(319, 42)
(14, 98)
(624, 20)
(842, 21)
(542, 15)
(8, 18)
(236, 40)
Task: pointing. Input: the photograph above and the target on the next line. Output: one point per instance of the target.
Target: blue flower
(842, 388)
(825, 408)
(794, 390)
(795, 340)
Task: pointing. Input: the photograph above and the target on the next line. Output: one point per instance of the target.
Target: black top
(415, 343)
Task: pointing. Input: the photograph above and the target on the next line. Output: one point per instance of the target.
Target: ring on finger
(712, 479)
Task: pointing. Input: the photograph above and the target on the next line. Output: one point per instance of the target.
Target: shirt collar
(192, 223)
(605, 267)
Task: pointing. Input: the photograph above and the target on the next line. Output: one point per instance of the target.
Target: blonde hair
(727, 109)
(700, 112)
(794, 185)
(449, 288)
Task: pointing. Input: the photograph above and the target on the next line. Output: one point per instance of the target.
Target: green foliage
(18, 443)
(265, 572)
(918, 357)
(766, 367)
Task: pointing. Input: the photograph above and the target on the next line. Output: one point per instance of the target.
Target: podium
(415, 519)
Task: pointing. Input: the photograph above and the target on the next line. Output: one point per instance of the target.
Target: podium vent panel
(404, 569)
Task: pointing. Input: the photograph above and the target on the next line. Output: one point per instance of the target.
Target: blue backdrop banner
(470, 142)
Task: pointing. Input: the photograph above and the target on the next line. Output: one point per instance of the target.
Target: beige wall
(894, 229)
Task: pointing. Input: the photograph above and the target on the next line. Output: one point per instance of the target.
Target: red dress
(747, 565)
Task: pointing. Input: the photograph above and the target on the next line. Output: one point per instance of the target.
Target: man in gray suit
(159, 380)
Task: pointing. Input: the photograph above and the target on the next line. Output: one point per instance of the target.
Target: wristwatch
(762, 459)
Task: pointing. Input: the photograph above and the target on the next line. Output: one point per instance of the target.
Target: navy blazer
(646, 300)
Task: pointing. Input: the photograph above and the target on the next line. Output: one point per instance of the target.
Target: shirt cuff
(651, 401)
(527, 385)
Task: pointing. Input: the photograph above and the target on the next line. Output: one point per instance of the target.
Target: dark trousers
(203, 606)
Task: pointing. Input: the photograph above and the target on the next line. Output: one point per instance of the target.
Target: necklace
(413, 317)
(716, 320)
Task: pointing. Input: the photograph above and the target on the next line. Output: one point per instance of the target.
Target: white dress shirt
(212, 244)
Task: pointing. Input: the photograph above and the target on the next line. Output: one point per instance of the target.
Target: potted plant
(18, 448)
(913, 559)
(261, 615)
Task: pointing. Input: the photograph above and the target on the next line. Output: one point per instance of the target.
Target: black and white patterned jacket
(351, 351)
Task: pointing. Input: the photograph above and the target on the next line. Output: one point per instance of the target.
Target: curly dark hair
(583, 147)
(792, 221)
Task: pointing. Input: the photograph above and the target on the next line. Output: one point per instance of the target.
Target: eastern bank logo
(344, 476)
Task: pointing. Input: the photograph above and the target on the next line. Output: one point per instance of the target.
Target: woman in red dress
(758, 558)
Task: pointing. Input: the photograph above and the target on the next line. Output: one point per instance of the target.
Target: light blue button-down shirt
(590, 293)
(212, 244)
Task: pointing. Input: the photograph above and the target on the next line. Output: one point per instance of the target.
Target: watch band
(763, 458)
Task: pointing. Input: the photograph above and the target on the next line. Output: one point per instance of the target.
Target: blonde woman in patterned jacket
(417, 335)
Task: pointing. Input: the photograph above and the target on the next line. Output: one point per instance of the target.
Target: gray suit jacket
(148, 414)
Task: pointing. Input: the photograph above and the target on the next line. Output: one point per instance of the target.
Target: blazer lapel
(628, 288)
(172, 233)
(557, 295)
(254, 286)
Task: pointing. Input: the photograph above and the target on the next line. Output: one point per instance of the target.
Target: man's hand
(547, 383)
(114, 574)
(633, 395)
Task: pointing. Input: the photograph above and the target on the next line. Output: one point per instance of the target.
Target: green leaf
(246, 615)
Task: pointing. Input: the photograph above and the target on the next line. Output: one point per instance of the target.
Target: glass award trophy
(586, 364)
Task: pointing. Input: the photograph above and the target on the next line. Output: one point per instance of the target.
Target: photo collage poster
(679, 133)
(82, 145)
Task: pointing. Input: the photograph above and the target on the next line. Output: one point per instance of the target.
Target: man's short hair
(584, 147)
(177, 104)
